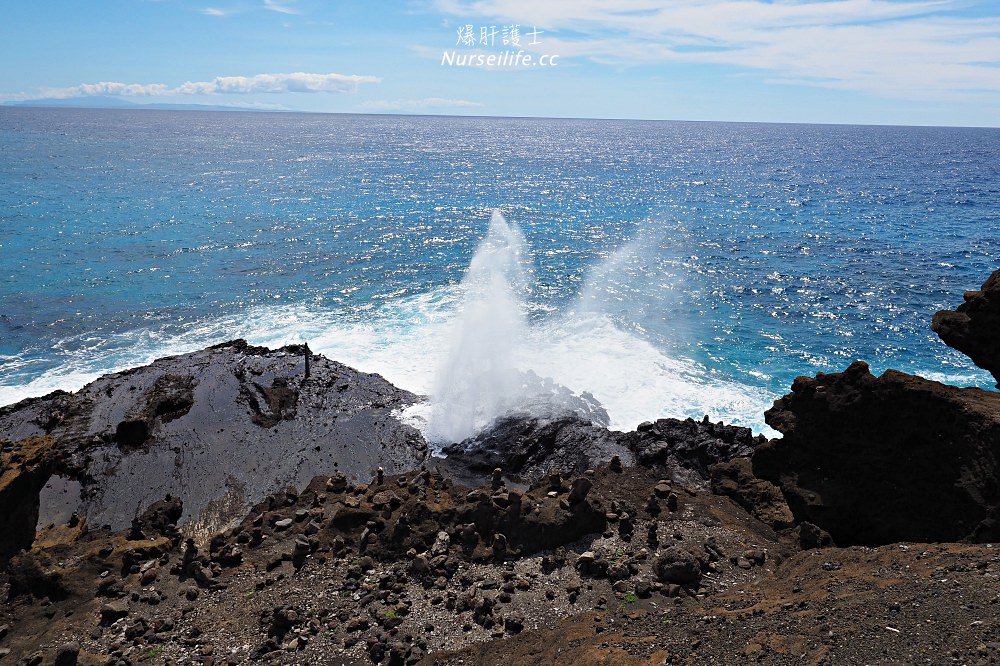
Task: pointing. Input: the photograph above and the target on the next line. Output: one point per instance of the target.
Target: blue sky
(911, 62)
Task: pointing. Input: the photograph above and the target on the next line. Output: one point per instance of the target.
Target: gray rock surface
(220, 428)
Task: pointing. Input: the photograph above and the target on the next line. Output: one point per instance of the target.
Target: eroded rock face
(763, 499)
(218, 429)
(876, 460)
(973, 328)
(24, 470)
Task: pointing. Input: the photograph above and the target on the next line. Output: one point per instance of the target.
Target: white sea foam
(469, 349)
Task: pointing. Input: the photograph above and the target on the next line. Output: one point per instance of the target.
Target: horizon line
(216, 108)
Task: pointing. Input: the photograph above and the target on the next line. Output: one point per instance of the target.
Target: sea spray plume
(478, 380)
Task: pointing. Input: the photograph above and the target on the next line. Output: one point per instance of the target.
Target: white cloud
(277, 83)
(300, 82)
(905, 48)
(417, 104)
(212, 11)
(280, 8)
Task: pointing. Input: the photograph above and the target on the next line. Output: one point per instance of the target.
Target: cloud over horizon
(906, 49)
(297, 82)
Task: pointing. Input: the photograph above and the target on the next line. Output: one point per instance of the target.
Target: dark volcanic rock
(689, 444)
(677, 565)
(894, 458)
(973, 328)
(218, 429)
(527, 447)
(735, 479)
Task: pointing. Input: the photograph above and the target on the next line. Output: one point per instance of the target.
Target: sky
(904, 62)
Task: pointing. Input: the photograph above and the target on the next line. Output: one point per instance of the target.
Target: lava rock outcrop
(973, 328)
(876, 460)
(218, 428)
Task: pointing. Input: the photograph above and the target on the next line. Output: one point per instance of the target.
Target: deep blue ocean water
(676, 268)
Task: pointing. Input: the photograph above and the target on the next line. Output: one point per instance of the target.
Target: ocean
(662, 268)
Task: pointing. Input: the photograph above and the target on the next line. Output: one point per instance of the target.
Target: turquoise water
(674, 268)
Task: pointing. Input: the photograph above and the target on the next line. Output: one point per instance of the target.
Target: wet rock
(528, 447)
(690, 445)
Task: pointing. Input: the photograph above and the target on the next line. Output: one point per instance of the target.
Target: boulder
(690, 445)
(678, 566)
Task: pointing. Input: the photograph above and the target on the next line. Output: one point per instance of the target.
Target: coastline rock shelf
(245, 505)
(219, 428)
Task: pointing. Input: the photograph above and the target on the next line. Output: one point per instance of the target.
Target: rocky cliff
(876, 460)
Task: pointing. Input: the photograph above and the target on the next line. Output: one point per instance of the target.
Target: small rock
(386, 498)
(114, 610)
(513, 624)
(283, 524)
(442, 543)
(302, 547)
(581, 487)
(67, 654)
(811, 536)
